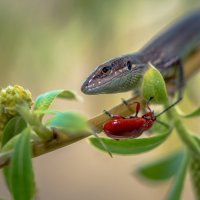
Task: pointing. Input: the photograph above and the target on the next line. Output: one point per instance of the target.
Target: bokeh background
(54, 44)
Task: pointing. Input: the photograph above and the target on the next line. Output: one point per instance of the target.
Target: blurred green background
(53, 44)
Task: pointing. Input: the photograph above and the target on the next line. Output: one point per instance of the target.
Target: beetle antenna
(168, 108)
(148, 104)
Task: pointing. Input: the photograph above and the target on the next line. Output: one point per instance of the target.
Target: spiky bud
(9, 98)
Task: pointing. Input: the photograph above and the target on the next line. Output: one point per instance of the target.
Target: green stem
(195, 176)
(186, 137)
(192, 147)
(183, 131)
(43, 132)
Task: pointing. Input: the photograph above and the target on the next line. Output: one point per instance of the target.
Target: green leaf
(19, 174)
(130, 146)
(153, 85)
(45, 100)
(177, 186)
(49, 111)
(69, 122)
(162, 169)
(195, 113)
(10, 144)
(6, 176)
(12, 128)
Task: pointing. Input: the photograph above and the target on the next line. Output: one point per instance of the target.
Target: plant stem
(186, 137)
(195, 176)
(44, 133)
(194, 150)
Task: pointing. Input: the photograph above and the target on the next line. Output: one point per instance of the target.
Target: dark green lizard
(166, 52)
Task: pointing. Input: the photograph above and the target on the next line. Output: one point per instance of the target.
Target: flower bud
(9, 98)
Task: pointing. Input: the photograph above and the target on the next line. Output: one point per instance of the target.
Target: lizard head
(117, 75)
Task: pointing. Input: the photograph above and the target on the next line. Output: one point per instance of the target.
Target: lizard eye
(106, 70)
(129, 65)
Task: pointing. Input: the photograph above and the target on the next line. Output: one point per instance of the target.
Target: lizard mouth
(107, 86)
(111, 84)
(91, 89)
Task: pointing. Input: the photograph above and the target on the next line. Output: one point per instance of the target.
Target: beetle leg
(148, 104)
(113, 116)
(126, 104)
(180, 82)
(108, 113)
(179, 73)
(137, 109)
(180, 79)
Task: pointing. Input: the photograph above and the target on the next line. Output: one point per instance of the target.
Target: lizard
(166, 51)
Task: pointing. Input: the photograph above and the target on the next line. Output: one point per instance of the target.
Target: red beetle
(131, 126)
